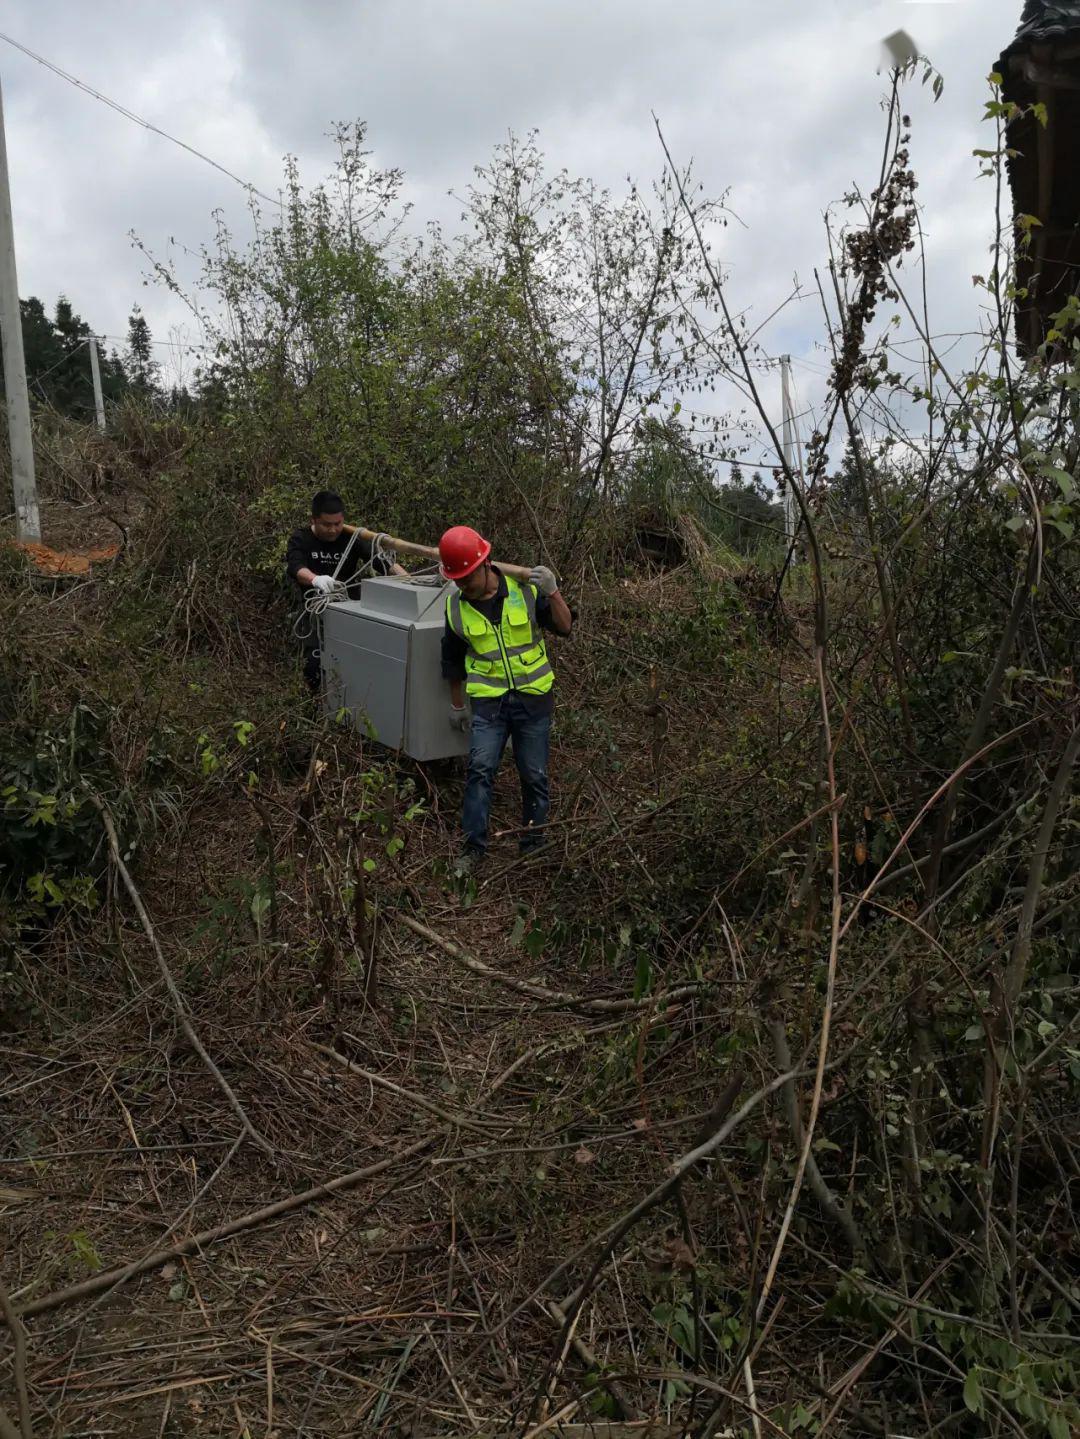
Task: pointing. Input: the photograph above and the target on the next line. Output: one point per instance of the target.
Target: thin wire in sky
(61, 361)
(130, 115)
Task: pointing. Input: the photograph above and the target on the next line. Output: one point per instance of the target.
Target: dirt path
(505, 1097)
(395, 1299)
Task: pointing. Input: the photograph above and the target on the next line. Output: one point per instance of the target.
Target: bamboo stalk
(107, 1278)
(177, 998)
(25, 1429)
(427, 552)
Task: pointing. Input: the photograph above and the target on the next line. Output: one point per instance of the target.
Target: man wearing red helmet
(493, 651)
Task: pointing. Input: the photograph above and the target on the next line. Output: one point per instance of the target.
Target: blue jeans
(493, 723)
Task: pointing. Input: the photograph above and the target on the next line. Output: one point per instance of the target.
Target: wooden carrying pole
(428, 552)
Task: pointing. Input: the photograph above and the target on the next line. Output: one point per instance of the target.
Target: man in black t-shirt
(312, 559)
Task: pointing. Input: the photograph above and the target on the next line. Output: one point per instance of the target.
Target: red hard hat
(461, 550)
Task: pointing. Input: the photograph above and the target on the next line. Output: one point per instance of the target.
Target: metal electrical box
(381, 660)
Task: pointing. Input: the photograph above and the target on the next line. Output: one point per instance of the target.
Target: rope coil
(316, 600)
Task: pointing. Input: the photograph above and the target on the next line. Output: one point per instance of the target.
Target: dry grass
(418, 1297)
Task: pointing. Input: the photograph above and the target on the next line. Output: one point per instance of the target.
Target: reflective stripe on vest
(512, 657)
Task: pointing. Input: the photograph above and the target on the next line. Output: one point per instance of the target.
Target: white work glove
(544, 579)
(459, 718)
(323, 584)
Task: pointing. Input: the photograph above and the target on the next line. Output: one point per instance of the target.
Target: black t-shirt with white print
(307, 552)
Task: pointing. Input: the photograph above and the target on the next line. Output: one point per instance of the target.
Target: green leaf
(1016, 523)
(1063, 527)
(370, 866)
(972, 1392)
(45, 812)
(996, 78)
(1065, 482)
(84, 1248)
(1058, 1425)
(642, 976)
(394, 845)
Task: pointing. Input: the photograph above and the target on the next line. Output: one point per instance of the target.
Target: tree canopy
(57, 356)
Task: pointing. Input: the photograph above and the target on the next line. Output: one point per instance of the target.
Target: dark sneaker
(467, 862)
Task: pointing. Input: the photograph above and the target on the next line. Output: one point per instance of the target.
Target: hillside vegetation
(752, 1107)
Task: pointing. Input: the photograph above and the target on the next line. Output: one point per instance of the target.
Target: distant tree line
(58, 373)
(668, 474)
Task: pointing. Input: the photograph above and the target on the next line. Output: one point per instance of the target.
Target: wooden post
(428, 552)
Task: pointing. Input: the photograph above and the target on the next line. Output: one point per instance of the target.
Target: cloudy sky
(776, 101)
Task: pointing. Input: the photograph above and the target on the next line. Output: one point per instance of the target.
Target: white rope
(316, 600)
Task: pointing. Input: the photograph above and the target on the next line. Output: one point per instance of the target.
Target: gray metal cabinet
(381, 662)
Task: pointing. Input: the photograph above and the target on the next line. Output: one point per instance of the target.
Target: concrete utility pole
(789, 439)
(27, 516)
(95, 370)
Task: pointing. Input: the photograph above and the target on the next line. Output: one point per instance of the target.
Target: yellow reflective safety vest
(512, 656)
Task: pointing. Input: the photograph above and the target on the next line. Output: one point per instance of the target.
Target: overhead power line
(138, 119)
(166, 344)
(61, 361)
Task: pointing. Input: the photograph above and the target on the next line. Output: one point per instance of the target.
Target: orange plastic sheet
(59, 562)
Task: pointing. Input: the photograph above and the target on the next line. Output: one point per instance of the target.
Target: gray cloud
(776, 103)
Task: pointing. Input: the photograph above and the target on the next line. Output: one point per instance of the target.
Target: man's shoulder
(452, 611)
(301, 536)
